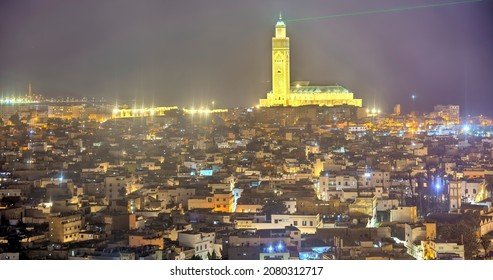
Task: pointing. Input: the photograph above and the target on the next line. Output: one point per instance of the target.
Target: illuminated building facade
(299, 93)
(143, 112)
(65, 111)
(65, 229)
(450, 113)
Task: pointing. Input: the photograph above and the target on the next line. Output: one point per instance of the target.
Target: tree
(274, 206)
(122, 192)
(465, 232)
(15, 119)
(461, 233)
(196, 257)
(489, 183)
(212, 256)
(485, 243)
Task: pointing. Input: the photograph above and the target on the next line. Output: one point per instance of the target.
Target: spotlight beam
(390, 10)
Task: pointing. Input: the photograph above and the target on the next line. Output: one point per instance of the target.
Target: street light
(437, 186)
(413, 97)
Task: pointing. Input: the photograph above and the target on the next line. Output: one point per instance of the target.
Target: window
(311, 223)
(303, 223)
(295, 223)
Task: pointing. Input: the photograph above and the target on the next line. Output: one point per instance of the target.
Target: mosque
(299, 93)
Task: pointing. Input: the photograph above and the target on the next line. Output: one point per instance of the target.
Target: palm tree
(274, 206)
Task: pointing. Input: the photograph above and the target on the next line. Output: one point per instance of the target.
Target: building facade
(450, 113)
(64, 229)
(284, 93)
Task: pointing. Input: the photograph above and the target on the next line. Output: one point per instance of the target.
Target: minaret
(280, 65)
(29, 94)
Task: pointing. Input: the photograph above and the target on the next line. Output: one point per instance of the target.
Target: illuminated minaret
(280, 65)
(29, 94)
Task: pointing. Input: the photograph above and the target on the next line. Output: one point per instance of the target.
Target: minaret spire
(280, 65)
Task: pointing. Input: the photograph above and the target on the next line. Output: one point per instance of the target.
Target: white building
(404, 214)
(415, 233)
(373, 179)
(116, 187)
(328, 184)
(202, 242)
(307, 224)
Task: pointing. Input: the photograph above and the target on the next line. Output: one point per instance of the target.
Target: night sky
(191, 52)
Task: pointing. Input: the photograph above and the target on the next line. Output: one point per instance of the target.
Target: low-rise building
(65, 229)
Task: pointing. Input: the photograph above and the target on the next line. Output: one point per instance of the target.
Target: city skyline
(172, 54)
(220, 130)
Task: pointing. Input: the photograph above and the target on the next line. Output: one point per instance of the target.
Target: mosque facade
(285, 93)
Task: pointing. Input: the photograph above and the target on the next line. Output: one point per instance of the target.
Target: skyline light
(148, 53)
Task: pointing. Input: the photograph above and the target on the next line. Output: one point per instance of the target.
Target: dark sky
(190, 52)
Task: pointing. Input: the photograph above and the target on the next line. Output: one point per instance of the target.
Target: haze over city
(245, 130)
(188, 53)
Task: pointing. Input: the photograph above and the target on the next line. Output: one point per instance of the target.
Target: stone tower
(280, 65)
